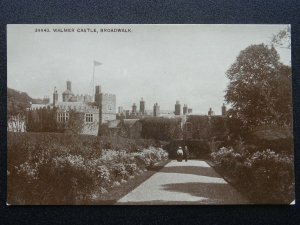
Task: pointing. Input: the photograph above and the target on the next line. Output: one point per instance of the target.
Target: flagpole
(93, 82)
(95, 63)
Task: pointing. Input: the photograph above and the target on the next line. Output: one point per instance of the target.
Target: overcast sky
(161, 63)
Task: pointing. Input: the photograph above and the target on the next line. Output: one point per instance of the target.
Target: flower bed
(47, 169)
(265, 176)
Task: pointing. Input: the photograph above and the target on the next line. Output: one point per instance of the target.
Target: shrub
(68, 169)
(226, 158)
(119, 170)
(131, 168)
(269, 174)
(272, 174)
(103, 174)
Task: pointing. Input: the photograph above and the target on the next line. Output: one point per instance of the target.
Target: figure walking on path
(186, 153)
(179, 154)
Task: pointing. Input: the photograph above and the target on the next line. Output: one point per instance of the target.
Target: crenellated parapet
(78, 107)
(109, 97)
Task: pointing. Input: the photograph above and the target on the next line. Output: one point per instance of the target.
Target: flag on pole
(96, 63)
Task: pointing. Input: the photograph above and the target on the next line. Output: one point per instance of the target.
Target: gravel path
(192, 182)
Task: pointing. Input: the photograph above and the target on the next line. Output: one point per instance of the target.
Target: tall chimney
(69, 85)
(177, 108)
(55, 96)
(224, 111)
(142, 106)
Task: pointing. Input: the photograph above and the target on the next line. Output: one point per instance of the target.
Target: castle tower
(185, 109)
(97, 95)
(156, 110)
(211, 112)
(55, 96)
(133, 109)
(177, 108)
(142, 106)
(67, 94)
(224, 111)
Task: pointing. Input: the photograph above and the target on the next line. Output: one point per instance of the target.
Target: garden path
(192, 182)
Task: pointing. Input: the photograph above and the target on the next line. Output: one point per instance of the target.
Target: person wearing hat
(179, 154)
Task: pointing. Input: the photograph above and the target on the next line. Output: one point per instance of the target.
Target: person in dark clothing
(186, 153)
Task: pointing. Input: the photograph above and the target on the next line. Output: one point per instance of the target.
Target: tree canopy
(18, 102)
(282, 38)
(260, 87)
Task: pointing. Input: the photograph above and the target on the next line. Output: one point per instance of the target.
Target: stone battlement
(109, 96)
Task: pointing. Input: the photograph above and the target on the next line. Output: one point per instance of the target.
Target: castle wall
(108, 107)
(84, 110)
(91, 128)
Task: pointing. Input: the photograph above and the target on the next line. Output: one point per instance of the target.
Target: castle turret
(177, 108)
(67, 94)
(142, 106)
(97, 95)
(156, 110)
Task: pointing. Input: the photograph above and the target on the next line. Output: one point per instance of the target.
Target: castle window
(63, 117)
(88, 117)
(66, 117)
(109, 107)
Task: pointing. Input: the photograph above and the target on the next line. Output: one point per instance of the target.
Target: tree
(260, 88)
(282, 38)
(42, 120)
(75, 124)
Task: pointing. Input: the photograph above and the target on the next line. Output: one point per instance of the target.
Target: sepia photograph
(165, 114)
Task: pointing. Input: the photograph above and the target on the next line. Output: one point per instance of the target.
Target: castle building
(156, 110)
(177, 108)
(46, 100)
(92, 113)
(106, 104)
